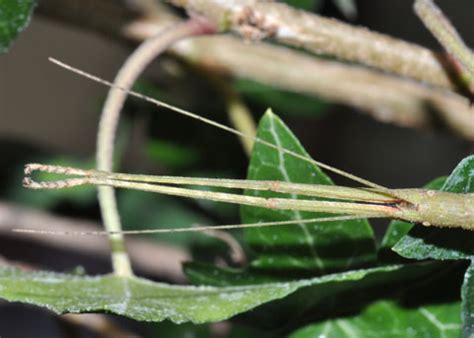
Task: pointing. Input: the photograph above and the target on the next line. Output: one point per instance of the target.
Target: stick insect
(428, 207)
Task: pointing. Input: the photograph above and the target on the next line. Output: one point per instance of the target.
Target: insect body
(428, 207)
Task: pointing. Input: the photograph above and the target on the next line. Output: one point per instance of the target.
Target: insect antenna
(222, 127)
(187, 229)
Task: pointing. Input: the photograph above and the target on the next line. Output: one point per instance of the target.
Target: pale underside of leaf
(144, 300)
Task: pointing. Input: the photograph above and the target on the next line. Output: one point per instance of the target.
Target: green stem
(125, 78)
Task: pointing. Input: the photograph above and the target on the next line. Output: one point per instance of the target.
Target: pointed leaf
(136, 298)
(313, 248)
(145, 300)
(324, 296)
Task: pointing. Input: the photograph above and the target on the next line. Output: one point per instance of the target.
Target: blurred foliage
(171, 155)
(14, 17)
(264, 96)
(307, 5)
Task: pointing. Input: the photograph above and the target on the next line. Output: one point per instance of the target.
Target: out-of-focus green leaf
(145, 300)
(315, 247)
(171, 155)
(184, 330)
(397, 229)
(284, 101)
(441, 243)
(307, 5)
(389, 319)
(14, 17)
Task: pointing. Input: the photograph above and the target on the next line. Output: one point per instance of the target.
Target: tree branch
(386, 98)
(323, 36)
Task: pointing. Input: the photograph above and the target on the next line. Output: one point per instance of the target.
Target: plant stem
(442, 29)
(384, 97)
(129, 72)
(323, 36)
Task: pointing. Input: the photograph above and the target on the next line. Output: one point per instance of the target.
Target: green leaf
(167, 329)
(397, 229)
(145, 300)
(467, 295)
(207, 274)
(170, 154)
(136, 298)
(390, 319)
(14, 17)
(307, 5)
(285, 101)
(325, 298)
(441, 243)
(312, 248)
